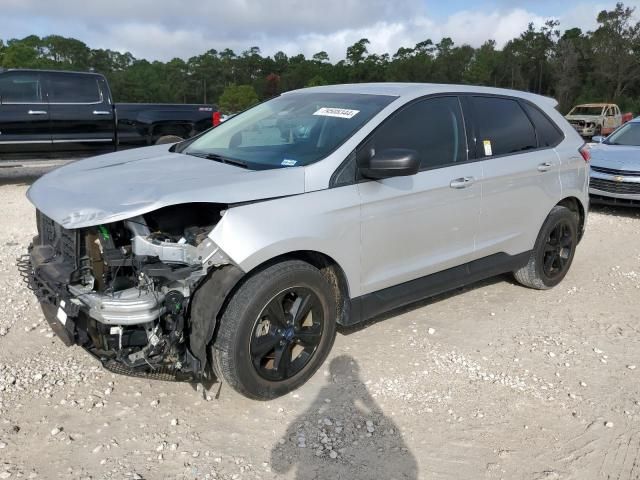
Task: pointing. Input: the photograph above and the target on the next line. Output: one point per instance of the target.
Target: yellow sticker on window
(488, 151)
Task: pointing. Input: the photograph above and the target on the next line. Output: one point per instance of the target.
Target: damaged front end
(123, 290)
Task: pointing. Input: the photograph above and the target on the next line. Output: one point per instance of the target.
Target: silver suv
(238, 252)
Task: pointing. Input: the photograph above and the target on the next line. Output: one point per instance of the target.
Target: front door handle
(37, 112)
(462, 182)
(544, 167)
(101, 112)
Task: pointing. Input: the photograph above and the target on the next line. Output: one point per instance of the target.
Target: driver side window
(432, 127)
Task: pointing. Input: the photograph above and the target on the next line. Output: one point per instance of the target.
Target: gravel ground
(495, 381)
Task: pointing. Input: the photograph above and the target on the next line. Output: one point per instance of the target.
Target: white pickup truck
(594, 119)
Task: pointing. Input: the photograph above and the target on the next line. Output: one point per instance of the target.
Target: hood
(121, 185)
(586, 118)
(617, 157)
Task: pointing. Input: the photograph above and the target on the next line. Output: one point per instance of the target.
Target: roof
(47, 71)
(412, 90)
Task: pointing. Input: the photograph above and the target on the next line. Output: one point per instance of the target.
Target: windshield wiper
(219, 158)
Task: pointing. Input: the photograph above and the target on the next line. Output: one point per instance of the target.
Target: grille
(63, 241)
(610, 186)
(612, 171)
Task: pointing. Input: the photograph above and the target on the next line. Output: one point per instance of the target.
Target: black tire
(553, 252)
(246, 322)
(164, 139)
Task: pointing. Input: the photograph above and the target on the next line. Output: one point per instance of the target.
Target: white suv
(237, 252)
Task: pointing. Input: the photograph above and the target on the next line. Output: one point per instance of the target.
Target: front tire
(276, 330)
(553, 252)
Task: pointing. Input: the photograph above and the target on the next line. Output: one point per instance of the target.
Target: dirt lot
(496, 381)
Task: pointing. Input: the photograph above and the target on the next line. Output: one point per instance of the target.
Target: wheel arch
(221, 284)
(575, 205)
(330, 269)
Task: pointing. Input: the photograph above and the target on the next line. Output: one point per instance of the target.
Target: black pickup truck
(56, 112)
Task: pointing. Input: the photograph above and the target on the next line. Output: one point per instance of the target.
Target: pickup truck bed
(48, 113)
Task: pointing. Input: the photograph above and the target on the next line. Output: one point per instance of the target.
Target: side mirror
(392, 162)
(597, 139)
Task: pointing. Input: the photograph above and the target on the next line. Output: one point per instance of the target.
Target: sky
(164, 29)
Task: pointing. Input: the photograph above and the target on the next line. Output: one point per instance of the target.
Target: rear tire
(165, 139)
(553, 252)
(276, 330)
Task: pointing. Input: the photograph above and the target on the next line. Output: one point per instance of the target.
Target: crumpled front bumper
(48, 276)
(57, 306)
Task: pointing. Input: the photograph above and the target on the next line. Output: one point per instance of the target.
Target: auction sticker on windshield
(336, 112)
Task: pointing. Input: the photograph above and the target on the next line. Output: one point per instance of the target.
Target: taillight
(586, 154)
(215, 119)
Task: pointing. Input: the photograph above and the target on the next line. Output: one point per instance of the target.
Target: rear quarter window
(549, 135)
(503, 126)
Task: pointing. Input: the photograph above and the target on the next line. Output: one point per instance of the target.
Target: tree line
(573, 66)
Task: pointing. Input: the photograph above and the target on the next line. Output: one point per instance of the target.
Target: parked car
(615, 167)
(45, 112)
(594, 119)
(241, 250)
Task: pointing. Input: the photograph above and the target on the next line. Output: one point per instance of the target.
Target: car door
(521, 173)
(82, 117)
(417, 225)
(609, 120)
(24, 114)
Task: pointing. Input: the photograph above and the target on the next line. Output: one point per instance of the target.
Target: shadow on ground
(344, 435)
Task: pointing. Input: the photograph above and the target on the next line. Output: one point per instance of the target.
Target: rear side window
(20, 88)
(504, 127)
(73, 89)
(432, 127)
(548, 134)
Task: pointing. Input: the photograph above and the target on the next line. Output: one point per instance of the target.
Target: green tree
(616, 44)
(236, 98)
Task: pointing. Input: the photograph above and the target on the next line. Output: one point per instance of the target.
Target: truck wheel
(276, 330)
(168, 139)
(553, 251)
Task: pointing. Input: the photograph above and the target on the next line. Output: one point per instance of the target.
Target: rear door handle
(101, 112)
(37, 112)
(462, 182)
(544, 167)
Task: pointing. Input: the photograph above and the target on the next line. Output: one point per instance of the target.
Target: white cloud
(475, 28)
(160, 29)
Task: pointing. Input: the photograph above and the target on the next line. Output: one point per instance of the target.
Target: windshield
(628, 134)
(289, 131)
(586, 111)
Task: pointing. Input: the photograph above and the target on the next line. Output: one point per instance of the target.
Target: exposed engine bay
(123, 290)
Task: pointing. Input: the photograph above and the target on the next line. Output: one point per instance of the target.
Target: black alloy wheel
(276, 330)
(558, 250)
(553, 252)
(286, 334)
